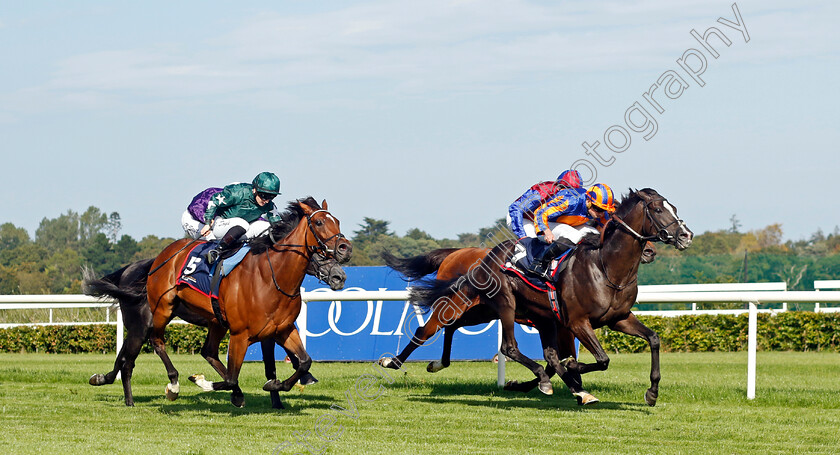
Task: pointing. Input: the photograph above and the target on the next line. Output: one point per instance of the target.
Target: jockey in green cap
(235, 212)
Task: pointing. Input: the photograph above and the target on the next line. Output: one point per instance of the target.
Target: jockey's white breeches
(222, 225)
(573, 233)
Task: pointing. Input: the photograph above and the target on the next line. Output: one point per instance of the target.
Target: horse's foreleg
(293, 343)
(421, 335)
(584, 332)
(307, 378)
(236, 356)
(267, 347)
(445, 356)
(632, 326)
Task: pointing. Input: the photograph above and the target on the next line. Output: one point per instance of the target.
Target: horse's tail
(417, 267)
(127, 285)
(428, 291)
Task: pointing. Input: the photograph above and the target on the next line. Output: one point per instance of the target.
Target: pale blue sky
(433, 114)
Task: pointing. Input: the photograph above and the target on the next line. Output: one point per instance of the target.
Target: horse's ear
(305, 207)
(324, 204)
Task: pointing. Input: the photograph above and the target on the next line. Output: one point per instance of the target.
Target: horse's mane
(289, 219)
(628, 201)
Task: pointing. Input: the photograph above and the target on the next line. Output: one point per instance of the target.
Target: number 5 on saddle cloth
(196, 274)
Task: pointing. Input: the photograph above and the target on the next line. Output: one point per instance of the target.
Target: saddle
(525, 252)
(196, 274)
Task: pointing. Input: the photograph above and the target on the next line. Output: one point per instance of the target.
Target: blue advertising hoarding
(367, 330)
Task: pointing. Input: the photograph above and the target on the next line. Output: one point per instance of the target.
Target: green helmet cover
(267, 182)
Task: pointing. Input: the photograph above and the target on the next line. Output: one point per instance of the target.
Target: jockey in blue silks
(563, 221)
(521, 212)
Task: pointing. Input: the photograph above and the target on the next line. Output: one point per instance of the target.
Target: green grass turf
(48, 407)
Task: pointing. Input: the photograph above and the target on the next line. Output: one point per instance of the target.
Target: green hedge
(180, 338)
(789, 331)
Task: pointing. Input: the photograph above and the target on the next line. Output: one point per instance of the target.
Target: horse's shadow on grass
(471, 393)
(219, 403)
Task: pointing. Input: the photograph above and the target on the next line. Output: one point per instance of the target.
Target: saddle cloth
(196, 274)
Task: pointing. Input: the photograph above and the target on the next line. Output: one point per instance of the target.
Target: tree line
(52, 262)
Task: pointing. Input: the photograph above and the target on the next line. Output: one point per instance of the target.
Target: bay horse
(128, 286)
(453, 262)
(598, 288)
(255, 301)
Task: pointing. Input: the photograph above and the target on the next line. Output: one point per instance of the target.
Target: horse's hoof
(546, 388)
(565, 362)
(651, 397)
(584, 398)
(308, 379)
(172, 391)
(511, 385)
(434, 366)
(203, 383)
(238, 400)
(97, 379)
(273, 385)
(276, 403)
(390, 362)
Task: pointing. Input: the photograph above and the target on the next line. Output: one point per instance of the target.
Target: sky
(434, 114)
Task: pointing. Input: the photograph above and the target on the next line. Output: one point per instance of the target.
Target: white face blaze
(670, 209)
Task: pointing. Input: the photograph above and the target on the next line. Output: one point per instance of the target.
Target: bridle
(322, 244)
(322, 248)
(662, 235)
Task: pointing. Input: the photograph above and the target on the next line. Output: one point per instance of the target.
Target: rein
(170, 257)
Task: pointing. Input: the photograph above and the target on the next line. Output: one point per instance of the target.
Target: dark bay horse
(259, 300)
(128, 286)
(450, 263)
(597, 288)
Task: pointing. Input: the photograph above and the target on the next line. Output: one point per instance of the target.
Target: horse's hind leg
(131, 349)
(632, 326)
(509, 348)
(210, 352)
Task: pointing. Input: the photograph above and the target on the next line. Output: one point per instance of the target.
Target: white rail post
(752, 342)
(500, 370)
(120, 337)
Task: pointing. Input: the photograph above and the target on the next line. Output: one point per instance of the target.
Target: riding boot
(229, 239)
(540, 266)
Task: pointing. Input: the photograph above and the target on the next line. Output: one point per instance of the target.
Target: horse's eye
(658, 210)
(319, 223)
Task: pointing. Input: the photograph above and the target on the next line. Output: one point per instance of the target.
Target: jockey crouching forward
(235, 212)
(563, 221)
(523, 208)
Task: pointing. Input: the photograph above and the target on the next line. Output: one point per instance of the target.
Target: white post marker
(752, 342)
(500, 371)
(120, 336)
